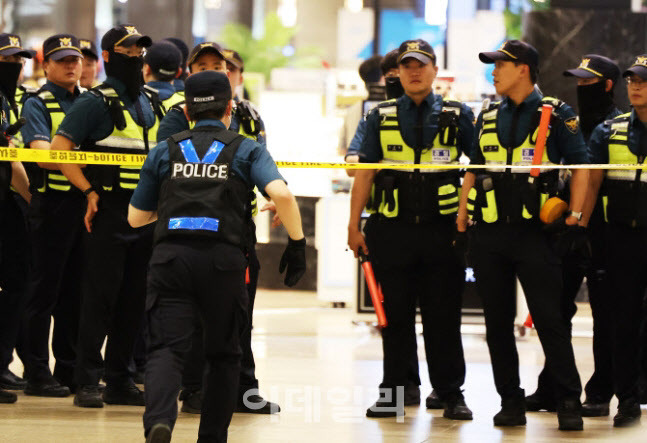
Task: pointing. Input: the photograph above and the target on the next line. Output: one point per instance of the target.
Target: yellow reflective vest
(437, 191)
(509, 194)
(130, 140)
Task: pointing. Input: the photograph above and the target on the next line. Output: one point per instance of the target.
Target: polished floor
(323, 368)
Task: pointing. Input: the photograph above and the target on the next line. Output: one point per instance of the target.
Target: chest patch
(491, 148)
(441, 155)
(394, 148)
(527, 154)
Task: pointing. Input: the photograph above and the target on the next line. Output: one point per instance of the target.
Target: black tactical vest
(202, 197)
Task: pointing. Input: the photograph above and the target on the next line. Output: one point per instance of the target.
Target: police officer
(54, 214)
(178, 83)
(508, 240)
(197, 183)
(596, 78)
(161, 66)
(90, 71)
(210, 56)
(411, 229)
(13, 236)
(114, 117)
(623, 140)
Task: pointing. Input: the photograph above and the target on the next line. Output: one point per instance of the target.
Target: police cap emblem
(572, 124)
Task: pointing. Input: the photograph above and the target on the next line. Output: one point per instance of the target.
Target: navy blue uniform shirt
(89, 117)
(599, 142)
(370, 150)
(358, 138)
(564, 142)
(252, 162)
(175, 121)
(178, 84)
(164, 89)
(39, 122)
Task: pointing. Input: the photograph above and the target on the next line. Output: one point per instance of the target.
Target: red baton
(374, 289)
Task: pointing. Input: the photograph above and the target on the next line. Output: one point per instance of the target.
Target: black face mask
(128, 70)
(376, 91)
(9, 74)
(394, 88)
(594, 104)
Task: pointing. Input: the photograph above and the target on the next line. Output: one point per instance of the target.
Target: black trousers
(113, 294)
(627, 266)
(501, 252)
(195, 362)
(56, 230)
(14, 271)
(399, 251)
(599, 388)
(185, 278)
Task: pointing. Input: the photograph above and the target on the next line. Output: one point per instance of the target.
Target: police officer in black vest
(197, 184)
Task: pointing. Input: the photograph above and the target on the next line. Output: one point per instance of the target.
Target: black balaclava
(128, 70)
(594, 104)
(9, 75)
(394, 88)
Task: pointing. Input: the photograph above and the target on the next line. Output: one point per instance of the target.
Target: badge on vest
(440, 155)
(572, 124)
(527, 154)
(491, 148)
(394, 148)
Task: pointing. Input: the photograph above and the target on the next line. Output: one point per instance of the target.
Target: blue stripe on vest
(191, 156)
(194, 223)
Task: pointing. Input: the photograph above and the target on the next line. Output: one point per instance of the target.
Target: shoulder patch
(572, 124)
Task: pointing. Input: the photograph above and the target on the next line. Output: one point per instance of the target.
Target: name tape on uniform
(105, 158)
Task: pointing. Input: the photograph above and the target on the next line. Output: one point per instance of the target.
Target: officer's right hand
(294, 259)
(91, 211)
(356, 241)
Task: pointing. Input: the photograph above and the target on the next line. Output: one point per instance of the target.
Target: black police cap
(513, 51)
(163, 58)
(201, 48)
(10, 44)
(204, 89)
(234, 58)
(124, 35)
(418, 49)
(179, 43)
(389, 61)
(639, 67)
(60, 46)
(88, 48)
(595, 66)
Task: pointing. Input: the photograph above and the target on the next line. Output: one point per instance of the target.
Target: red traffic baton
(542, 135)
(528, 322)
(374, 289)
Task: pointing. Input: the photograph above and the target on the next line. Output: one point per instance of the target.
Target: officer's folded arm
(286, 207)
(71, 171)
(138, 218)
(42, 144)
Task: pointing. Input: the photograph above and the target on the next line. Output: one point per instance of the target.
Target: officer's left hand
(294, 258)
(91, 211)
(276, 220)
(572, 240)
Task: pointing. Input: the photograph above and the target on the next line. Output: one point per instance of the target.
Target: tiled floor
(323, 370)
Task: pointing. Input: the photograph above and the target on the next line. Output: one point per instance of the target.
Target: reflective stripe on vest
(53, 179)
(130, 140)
(619, 152)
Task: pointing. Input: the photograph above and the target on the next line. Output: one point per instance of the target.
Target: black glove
(294, 258)
(573, 241)
(461, 243)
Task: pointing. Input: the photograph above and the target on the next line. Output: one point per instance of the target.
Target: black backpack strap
(154, 98)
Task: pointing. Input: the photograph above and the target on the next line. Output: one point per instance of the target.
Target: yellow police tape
(105, 158)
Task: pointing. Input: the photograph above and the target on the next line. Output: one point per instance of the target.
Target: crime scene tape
(106, 158)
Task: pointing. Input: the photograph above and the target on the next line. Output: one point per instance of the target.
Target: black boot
(88, 396)
(513, 411)
(255, 404)
(191, 401)
(540, 402)
(10, 381)
(128, 394)
(411, 395)
(387, 405)
(569, 415)
(455, 407)
(594, 407)
(628, 414)
(7, 397)
(159, 433)
(433, 401)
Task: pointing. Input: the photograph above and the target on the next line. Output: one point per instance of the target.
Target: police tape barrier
(106, 158)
